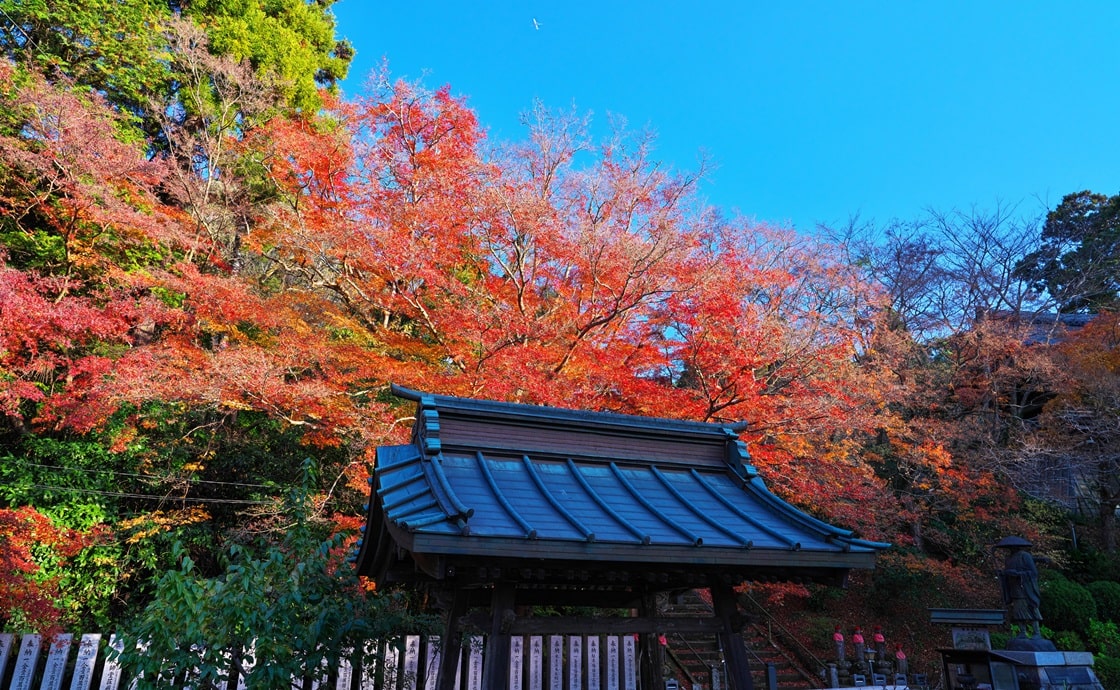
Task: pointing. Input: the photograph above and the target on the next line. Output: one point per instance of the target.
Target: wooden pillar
(731, 637)
(495, 670)
(650, 651)
(451, 642)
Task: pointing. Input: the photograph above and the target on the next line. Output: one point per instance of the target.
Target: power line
(146, 476)
(151, 497)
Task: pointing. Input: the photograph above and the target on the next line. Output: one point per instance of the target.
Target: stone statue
(1019, 582)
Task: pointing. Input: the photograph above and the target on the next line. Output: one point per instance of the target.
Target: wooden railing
(536, 662)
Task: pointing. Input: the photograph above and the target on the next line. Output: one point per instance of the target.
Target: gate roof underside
(485, 486)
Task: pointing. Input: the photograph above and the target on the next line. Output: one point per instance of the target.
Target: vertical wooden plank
(451, 661)
(111, 673)
(556, 662)
(56, 662)
(344, 679)
(726, 609)
(503, 611)
(320, 676)
(474, 664)
(390, 656)
(516, 661)
(575, 662)
(629, 663)
(612, 662)
(411, 662)
(25, 662)
(86, 662)
(248, 660)
(5, 652)
(594, 663)
(536, 662)
(431, 663)
(369, 665)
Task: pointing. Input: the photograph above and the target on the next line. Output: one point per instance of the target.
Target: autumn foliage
(210, 304)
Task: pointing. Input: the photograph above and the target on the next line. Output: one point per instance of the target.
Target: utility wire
(152, 497)
(146, 476)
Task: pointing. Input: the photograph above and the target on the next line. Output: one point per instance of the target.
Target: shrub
(1067, 605)
(1107, 669)
(1106, 594)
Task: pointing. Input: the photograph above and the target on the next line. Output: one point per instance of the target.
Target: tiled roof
(503, 480)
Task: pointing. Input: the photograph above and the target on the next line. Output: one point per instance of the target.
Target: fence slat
(575, 662)
(411, 662)
(593, 662)
(629, 663)
(86, 662)
(5, 652)
(56, 662)
(612, 662)
(111, 673)
(431, 666)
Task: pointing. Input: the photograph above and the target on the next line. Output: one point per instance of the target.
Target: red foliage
(25, 595)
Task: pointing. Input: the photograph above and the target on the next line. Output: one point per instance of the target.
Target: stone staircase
(694, 658)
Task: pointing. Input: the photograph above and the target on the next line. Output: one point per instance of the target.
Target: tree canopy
(212, 267)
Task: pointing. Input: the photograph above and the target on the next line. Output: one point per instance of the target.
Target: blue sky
(811, 111)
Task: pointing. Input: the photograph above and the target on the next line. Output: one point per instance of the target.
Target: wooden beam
(451, 642)
(588, 625)
(731, 637)
(495, 672)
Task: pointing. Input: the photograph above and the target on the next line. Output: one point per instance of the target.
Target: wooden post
(651, 654)
(452, 642)
(731, 637)
(495, 670)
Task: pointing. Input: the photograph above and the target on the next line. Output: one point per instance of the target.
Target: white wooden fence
(554, 662)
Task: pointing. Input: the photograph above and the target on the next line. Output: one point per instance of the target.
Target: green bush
(1087, 565)
(1107, 669)
(1106, 594)
(1104, 638)
(1067, 640)
(1067, 605)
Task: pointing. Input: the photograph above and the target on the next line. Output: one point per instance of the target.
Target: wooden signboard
(629, 663)
(431, 665)
(556, 662)
(56, 662)
(516, 659)
(111, 673)
(612, 662)
(411, 662)
(575, 663)
(5, 652)
(536, 663)
(86, 662)
(25, 662)
(593, 663)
